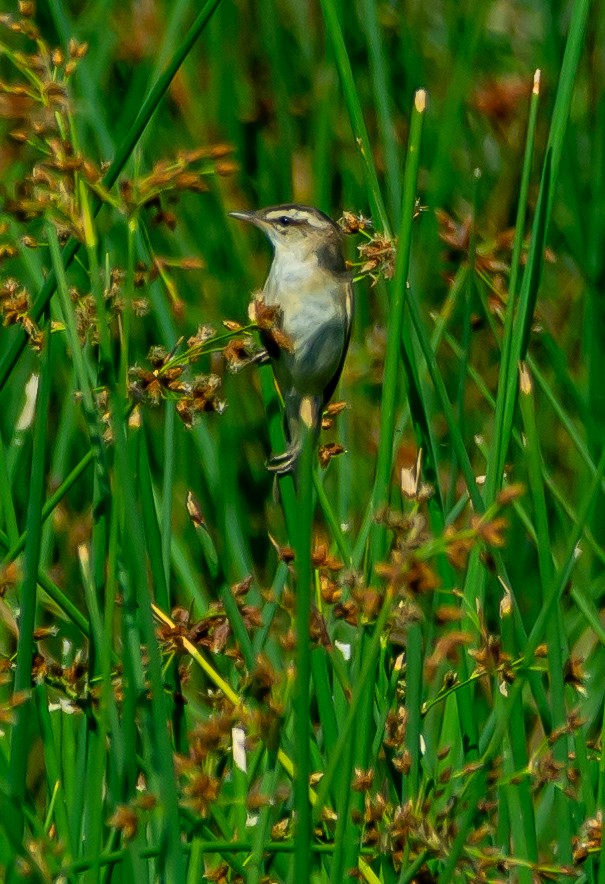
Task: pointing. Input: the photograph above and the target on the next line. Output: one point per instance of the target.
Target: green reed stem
(391, 381)
(302, 693)
(355, 112)
(20, 739)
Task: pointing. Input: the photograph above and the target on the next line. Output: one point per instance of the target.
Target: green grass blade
(496, 462)
(380, 493)
(302, 546)
(384, 110)
(550, 171)
(355, 112)
(20, 733)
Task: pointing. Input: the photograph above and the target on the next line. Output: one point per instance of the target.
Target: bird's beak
(252, 218)
(245, 216)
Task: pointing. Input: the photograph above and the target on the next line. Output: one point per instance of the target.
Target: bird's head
(297, 232)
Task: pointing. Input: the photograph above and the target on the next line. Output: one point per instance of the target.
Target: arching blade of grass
(468, 297)
(435, 341)
(168, 488)
(517, 792)
(554, 392)
(66, 605)
(121, 157)
(12, 846)
(554, 400)
(84, 371)
(558, 494)
(444, 401)
(93, 824)
(339, 536)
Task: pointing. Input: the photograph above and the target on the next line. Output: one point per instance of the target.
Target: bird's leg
(283, 463)
(308, 410)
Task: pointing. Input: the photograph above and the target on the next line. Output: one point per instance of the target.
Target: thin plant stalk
(302, 714)
(550, 171)
(352, 102)
(20, 743)
(495, 465)
(380, 493)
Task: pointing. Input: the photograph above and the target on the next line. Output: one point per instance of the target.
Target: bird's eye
(285, 220)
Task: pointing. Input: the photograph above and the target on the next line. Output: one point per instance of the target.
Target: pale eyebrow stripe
(276, 214)
(294, 214)
(314, 221)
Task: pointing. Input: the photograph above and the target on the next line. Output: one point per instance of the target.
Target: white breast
(313, 305)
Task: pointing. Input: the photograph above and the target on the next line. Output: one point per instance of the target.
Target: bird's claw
(281, 464)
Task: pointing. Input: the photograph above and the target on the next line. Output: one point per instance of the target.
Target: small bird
(310, 284)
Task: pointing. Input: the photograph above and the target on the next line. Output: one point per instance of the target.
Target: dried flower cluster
(188, 171)
(492, 255)
(193, 397)
(15, 304)
(351, 223)
(590, 840)
(377, 258)
(128, 817)
(378, 252)
(38, 101)
(213, 630)
(63, 186)
(266, 317)
(167, 379)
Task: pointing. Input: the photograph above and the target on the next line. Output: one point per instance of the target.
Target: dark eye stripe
(286, 220)
(289, 221)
